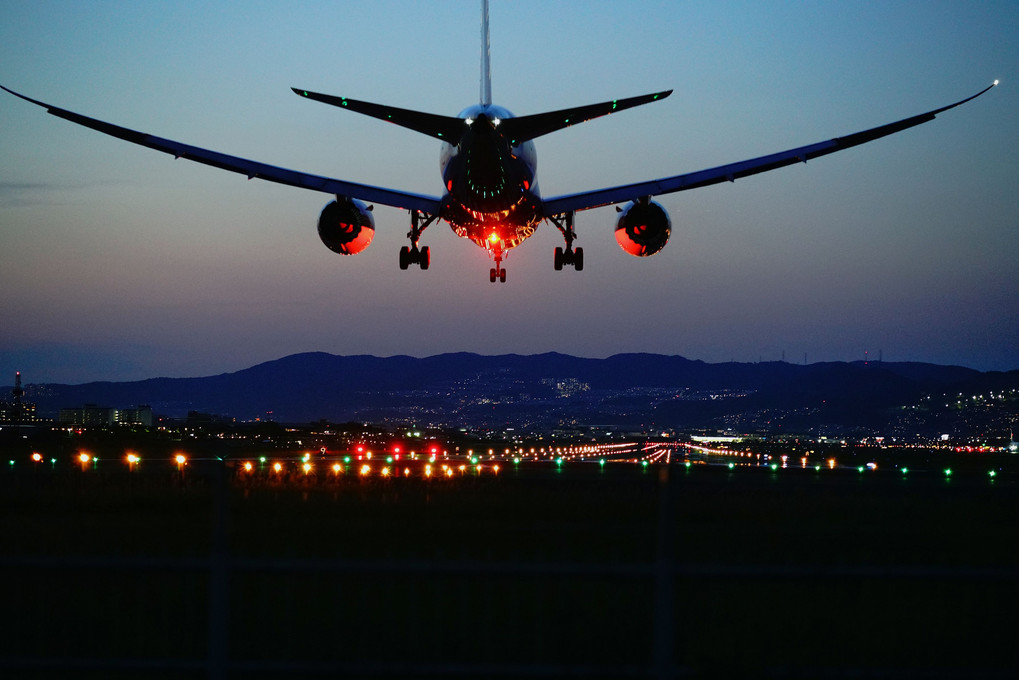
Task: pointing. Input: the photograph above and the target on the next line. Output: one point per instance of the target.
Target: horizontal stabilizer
(446, 128)
(526, 128)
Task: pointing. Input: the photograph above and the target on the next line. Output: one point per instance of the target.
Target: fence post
(664, 635)
(219, 579)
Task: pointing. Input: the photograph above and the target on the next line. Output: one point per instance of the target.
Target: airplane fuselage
(491, 192)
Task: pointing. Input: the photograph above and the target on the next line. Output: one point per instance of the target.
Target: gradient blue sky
(118, 262)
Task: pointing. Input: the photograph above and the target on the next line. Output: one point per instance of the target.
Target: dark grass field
(533, 573)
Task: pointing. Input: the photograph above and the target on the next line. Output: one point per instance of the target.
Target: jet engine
(346, 226)
(643, 228)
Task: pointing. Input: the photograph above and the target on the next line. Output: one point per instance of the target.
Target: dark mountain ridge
(467, 388)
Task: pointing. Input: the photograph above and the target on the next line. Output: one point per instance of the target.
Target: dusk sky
(118, 262)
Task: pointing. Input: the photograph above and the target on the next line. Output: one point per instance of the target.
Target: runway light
(732, 466)
(37, 457)
(366, 469)
(248, 467)
(337, 468)
(181, 460)
(385, 471)
(307, 468)
(948, 472)
(992, 474)
(905, 470)
(278, 467)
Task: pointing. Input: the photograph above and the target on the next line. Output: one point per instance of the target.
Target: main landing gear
(413, 254)
(569, 256)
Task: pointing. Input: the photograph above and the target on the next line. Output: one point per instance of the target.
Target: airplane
(487, 163)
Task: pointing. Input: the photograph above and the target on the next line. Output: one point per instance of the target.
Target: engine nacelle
(346, 226)
(643, 228)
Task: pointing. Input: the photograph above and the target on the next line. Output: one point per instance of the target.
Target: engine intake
(643, 228)
(346, 226)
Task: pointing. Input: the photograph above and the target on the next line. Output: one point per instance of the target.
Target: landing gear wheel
(578, 259)
(404, 257)
(491, 275)
(425, 258)
(502, 276)
(558, 262)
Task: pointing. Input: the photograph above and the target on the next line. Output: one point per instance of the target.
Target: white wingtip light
(995, 82)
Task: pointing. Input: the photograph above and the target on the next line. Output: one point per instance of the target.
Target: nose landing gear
(497, 272)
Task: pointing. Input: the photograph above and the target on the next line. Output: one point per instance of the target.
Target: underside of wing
(252, 169)
(731, 172)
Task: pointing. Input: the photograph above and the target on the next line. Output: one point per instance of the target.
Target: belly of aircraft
(495, 230)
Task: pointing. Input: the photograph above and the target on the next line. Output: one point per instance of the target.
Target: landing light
(494, 238)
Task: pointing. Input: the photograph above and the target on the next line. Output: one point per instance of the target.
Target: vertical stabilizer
(486, 69)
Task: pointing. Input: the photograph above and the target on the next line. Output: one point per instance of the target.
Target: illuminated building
(17, 410)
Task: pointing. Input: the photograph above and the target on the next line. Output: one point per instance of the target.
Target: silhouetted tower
(17, 393)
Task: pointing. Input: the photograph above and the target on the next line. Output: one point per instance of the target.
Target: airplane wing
(729, 173)
(253, 169)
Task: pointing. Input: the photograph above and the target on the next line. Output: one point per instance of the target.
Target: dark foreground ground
(585, 572)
